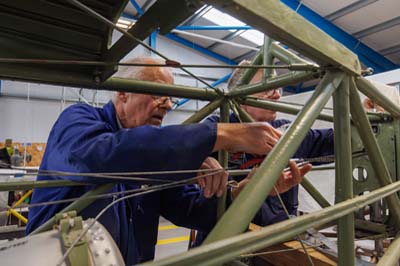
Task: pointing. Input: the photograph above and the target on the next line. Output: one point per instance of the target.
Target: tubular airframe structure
(69, 43)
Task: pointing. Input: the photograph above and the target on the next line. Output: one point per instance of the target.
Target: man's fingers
(277, 134)
(294, 169)
(222, 184)
(201, 182)
(305, 169)
(216, 180)
(252, 172)
(208, 186)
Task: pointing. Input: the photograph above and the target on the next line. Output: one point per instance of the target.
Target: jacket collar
(111, 115)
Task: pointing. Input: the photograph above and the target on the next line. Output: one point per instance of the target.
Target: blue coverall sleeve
(318, 142)
(186, 206)
(91, 145)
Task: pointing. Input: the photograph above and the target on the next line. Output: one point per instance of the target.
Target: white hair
(136, 72)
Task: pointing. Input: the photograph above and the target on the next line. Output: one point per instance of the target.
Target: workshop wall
(28, 110)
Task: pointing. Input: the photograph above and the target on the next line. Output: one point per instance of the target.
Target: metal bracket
(70, 226)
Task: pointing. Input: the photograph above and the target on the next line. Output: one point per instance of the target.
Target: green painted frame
(341, 79)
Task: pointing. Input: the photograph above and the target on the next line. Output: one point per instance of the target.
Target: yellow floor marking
(167, 227)
(172, 240)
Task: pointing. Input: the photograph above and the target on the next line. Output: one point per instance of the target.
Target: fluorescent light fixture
(125, 24)
(222, 19)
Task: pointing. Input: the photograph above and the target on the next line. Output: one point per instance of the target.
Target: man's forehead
(257, 77)
(157, 74)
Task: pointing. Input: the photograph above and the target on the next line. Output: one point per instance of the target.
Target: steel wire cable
(130, 36)
(135, 190)
(250, 255)
(171, 64)
(85, 230)
(289, 217)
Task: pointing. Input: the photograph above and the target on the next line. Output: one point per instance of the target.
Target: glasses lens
(174, 100)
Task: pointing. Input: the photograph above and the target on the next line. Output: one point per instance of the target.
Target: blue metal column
(153, 39)
(137, 7)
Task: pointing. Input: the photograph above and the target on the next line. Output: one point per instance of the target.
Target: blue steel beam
(128, 16)
(153, 39)
(215, 83)
(214, 28)
(137, 7)
(367, 56)
(200, 49)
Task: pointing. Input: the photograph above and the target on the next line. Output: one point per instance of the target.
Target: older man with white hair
(125, 136)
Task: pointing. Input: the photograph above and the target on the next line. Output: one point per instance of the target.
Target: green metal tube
(392, 254)
(268, 58)
(244, 116)
(373, 150)
(137, 86)
(25, 185)
(294, 109)
(343, 170)
(248, 74)
(375, 228)
(317, 196)
(287, 26)
(285, 55)
(223, 157)
(231, 248)
(274, 83)
(204, 112)
(77, 206)
(366, 87)
(236, 263)
(281, 107)
(54, 77)
(253, 195)
(322, 168)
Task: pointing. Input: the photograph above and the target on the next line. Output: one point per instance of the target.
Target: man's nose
(167, 103)
(276, 95)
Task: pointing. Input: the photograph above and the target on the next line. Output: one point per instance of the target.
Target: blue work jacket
(86, 139)
(318, 142)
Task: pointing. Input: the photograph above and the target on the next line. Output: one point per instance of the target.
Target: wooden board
(295, 256)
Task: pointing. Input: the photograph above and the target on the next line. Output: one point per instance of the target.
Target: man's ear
(122, 96)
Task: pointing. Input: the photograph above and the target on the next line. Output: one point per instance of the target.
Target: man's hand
(255, 138)
(286, 180)
(213, 184)
(370, 106)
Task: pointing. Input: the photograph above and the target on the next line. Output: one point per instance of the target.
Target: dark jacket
(318, 142)
(85, 139)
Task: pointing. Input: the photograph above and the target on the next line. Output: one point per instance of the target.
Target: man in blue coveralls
(125, 136)
(318, 142)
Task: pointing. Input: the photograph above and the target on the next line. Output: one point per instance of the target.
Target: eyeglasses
(161, 100)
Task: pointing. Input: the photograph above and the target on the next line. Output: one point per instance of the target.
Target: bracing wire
(289, 217)
(135, 190)
(130, 36)
(150, 190)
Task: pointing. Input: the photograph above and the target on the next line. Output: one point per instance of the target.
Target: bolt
(107, 250)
